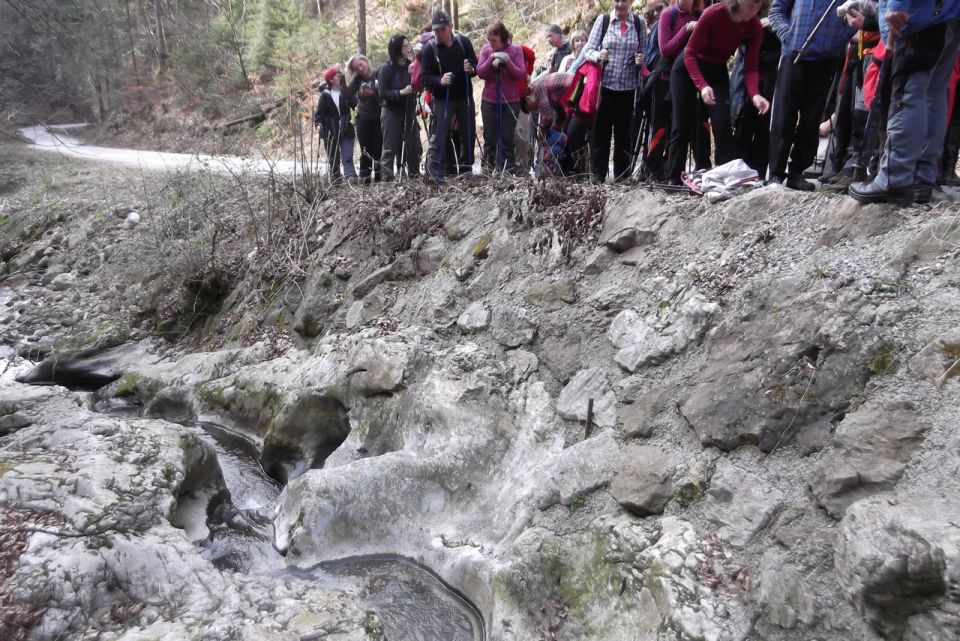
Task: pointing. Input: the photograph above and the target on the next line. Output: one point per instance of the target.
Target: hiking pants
(614, 117)
(459, 141)
(576, 161)
(371, 143)
(918, 108)
(686, 122)
(798, 104)
(401, 141)
(340, 150)
(499, 138)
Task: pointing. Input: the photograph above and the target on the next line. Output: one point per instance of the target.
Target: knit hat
(440, 19)
(330, 74)
(555, 28)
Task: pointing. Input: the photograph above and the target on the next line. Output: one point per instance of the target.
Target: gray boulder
(474, 319)
(632, 221)
(513, 327)
(588, 384)
(643, 484)
(871, 448)
(740, 503)
(899, 563)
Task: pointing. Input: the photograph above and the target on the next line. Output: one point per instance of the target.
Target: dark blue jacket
(923, 13)
(794, 20)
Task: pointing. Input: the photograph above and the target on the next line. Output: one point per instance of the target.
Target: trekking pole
(806, 43)
(444, 121)
(469, 141)
(500, 163)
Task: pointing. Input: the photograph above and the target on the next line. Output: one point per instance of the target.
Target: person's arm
(751, 62)
(698, 40)
(515, 67)
(352, 90)
(320, 112)
(387, 94)
(485, 69)
(670, 38)
(469, 52)
(594, 44)
(430, 72)
(780, 12)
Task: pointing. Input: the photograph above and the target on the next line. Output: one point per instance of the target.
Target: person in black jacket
(398, 118)
(332, 120)
(363, 91)
(449, 62)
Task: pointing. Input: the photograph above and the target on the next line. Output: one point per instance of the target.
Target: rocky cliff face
(672, 420)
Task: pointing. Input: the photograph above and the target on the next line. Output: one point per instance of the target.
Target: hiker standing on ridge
(332, 120)
(926, 37)
(702, 69)
(363, 90)
(812, 38)
(398, 119)
(616, 42)
(561, 47)
(673, 31)
(448, 62)
(502, 69)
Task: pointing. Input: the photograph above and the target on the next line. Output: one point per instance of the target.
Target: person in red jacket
(502, 69)
(702, 69)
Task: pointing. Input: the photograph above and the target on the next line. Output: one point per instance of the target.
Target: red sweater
(716, 38)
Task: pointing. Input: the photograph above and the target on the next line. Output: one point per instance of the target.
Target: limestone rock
(753, 207)
(474, 319)
(651, 341)
(784, 595)
(552, 295)
(637, 417)
(851, 220)
(900, 565)
(601, 258)
(740, 503)
(871, 448)
(399, 269)
(577, 470)
(379, 366)
(587, 384)
(561, 352)
(305, 432)
(429, 256)
(632, 221)
(513, 327)
(62, 282)
(791, 366)
(643, 483)
(522, 364)
(933, 240)
(937, 361)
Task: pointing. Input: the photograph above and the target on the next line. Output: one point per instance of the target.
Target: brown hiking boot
(840, 183)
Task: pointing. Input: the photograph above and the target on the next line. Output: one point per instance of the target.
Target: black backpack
(652, 54)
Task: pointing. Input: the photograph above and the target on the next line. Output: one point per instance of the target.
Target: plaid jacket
(794, 20)
(548, 90)
(621, 72)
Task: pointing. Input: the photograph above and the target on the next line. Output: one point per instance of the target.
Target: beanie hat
(330, 73)
(555, 28)
(440, 19)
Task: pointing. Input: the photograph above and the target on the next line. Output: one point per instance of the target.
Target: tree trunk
(456, 15)
(362, 27)
(133, 43)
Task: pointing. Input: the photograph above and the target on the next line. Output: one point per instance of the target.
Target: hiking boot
(922, 193)
(774, 180)
(798, 183)
(840, 183)
(867, 193)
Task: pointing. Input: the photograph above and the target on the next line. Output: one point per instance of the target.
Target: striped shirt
(621, 72)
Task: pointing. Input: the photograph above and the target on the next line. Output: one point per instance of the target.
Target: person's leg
(412, 148)
(724, 149)
(816, 82)
(392, 126)
(488, 116)
(376, 148)
(363, 140)
(683, 94)
(659, 129)
(846, 95)
(600, 137)
(906, 130)
(576, 162)
(332, 143)
(437, 140)
(622, 128)
(511, 112)
(467, 135)
(346, 158)
(783, 117)
(929, 162)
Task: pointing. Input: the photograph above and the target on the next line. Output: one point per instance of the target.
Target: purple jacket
(511, 73)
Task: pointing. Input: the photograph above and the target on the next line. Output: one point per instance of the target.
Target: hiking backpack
(651, 54)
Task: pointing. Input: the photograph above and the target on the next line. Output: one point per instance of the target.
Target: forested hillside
(163, 67)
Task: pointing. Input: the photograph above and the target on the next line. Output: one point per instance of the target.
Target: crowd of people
(877, 78)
